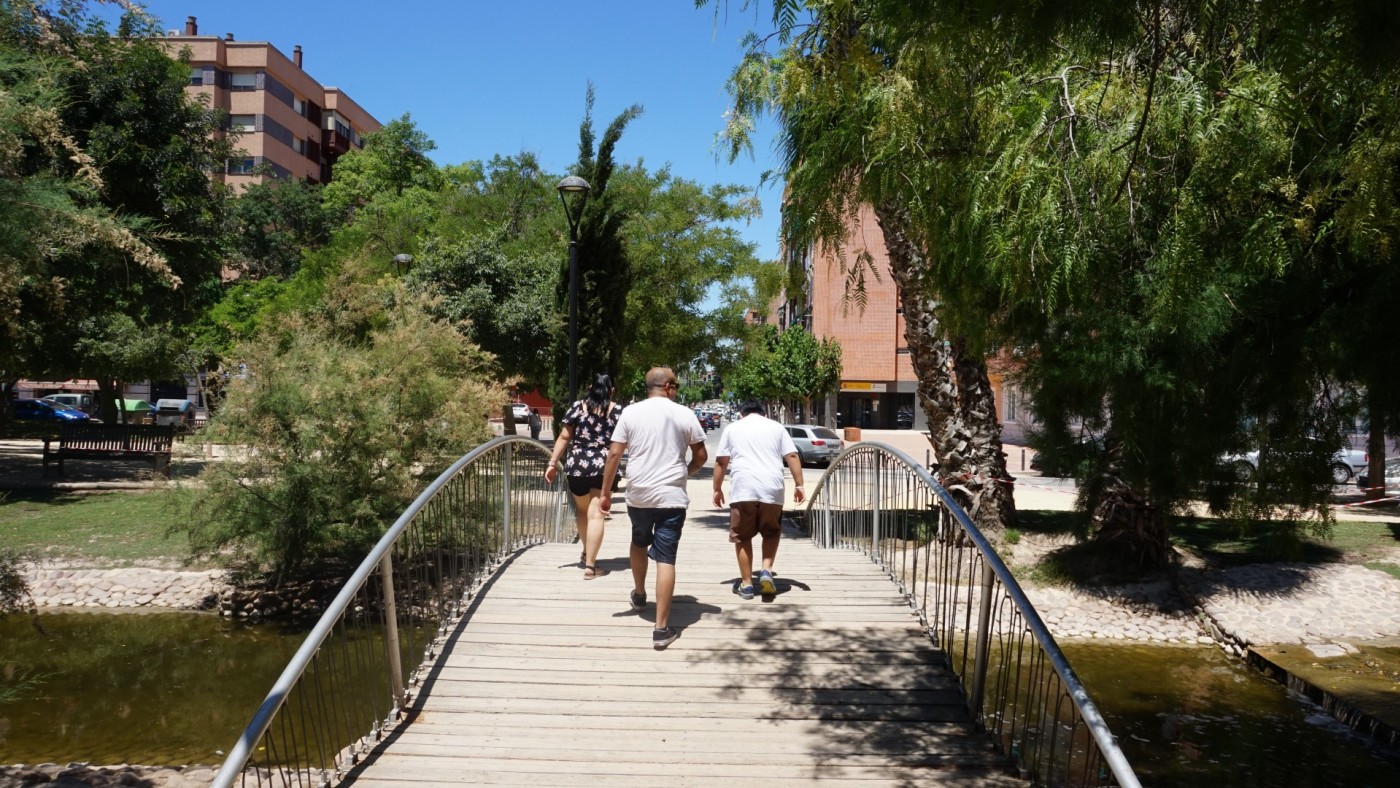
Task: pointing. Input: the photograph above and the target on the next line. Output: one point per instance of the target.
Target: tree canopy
(1168, 211)
(111, 220)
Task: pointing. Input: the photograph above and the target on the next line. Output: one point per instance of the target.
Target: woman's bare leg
(581, 504)
(593, 535)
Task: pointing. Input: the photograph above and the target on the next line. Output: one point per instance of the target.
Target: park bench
(112, 441)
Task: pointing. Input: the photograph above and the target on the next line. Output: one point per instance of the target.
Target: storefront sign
(854, 385)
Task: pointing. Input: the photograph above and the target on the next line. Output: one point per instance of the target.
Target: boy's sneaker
(765, 582)
(638, 600)
(661, 638)
(744, 592)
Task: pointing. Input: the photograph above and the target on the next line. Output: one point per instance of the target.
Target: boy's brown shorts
(747, 518)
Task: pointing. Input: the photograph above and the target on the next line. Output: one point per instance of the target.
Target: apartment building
(287, 122)
(878, 385)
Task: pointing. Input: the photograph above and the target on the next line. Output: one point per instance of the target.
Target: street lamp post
(579, 187)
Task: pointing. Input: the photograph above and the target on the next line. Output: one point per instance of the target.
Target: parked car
(83, 402)
(43, 410)
(1343, 465)
(815, 445)
(904, 419)
(1392, 477)
(521, 412)
(708, 420)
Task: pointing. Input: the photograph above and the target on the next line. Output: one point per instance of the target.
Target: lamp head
(572, 184)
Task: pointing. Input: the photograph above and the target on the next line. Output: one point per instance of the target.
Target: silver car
(815, 445)
(1345, 464)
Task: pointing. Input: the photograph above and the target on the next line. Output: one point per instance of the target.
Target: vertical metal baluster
(875, 494)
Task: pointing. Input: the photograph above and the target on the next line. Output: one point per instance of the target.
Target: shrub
(341, 416)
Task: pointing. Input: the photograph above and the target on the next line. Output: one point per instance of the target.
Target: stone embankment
(126, 587)
(1261, 604)
(143, 587)
(1151, 612)
(73, 775)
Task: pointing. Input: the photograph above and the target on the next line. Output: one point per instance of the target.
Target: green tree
(272, 224)
(393, 161)
(502, 303)
(1164, 208)
(604, 263)
(345, 410)
(685, 254)
(108, 211)
(804, 367)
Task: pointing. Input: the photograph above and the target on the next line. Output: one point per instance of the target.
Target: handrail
(426, 574)
(857, 503)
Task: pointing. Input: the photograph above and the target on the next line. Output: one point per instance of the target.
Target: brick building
(287, 121)
(878, 386)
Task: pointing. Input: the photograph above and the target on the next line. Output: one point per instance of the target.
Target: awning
(61, 385)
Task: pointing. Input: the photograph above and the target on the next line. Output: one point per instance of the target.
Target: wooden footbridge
(540, 677)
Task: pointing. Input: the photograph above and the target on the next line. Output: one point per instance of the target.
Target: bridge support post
(391, 631)
(984, 644)
(509, 450)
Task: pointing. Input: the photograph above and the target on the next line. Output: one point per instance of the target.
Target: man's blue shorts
(659, 530)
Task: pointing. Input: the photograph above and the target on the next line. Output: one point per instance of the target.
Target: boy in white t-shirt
(756, 447)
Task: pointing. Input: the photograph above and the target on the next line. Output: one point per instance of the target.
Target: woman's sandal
(590, 572)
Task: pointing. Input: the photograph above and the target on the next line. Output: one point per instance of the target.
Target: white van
(83, 402)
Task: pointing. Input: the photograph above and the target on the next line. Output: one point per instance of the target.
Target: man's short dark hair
(752, 406)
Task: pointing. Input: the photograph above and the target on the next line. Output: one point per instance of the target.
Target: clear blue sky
(485, 78)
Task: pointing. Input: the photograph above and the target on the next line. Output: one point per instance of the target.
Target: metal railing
(356, 672)
(1017, 683)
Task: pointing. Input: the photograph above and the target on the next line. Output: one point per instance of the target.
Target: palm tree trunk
(953, 390)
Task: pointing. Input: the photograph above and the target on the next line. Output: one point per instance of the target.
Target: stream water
(177, 688)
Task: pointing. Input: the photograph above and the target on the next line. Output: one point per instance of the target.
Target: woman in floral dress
(586, 435)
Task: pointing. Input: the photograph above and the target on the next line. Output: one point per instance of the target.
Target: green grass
(1221, 542)
(1351, 541)
(108, 529)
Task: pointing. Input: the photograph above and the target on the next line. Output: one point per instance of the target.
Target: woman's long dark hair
(597, 398)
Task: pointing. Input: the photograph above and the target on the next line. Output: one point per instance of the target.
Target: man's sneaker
(638, 599)
(744, 592)
(661, 638)
(765, 582)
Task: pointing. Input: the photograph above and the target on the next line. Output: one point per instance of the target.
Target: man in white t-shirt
(656, 433)
(756, 447)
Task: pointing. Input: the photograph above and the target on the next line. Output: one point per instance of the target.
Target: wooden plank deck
(552, 680)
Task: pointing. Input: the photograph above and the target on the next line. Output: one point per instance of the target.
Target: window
(196, 75)
(299, 145)
(243, 166)
(242, 122)
(243, 81)
(299, 106)
(1010, 406)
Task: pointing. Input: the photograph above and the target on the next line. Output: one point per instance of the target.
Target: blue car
(44, 410)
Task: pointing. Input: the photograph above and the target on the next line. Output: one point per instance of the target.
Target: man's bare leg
(638, 556)
(743, 550)
(665, 587)
(770, 551)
